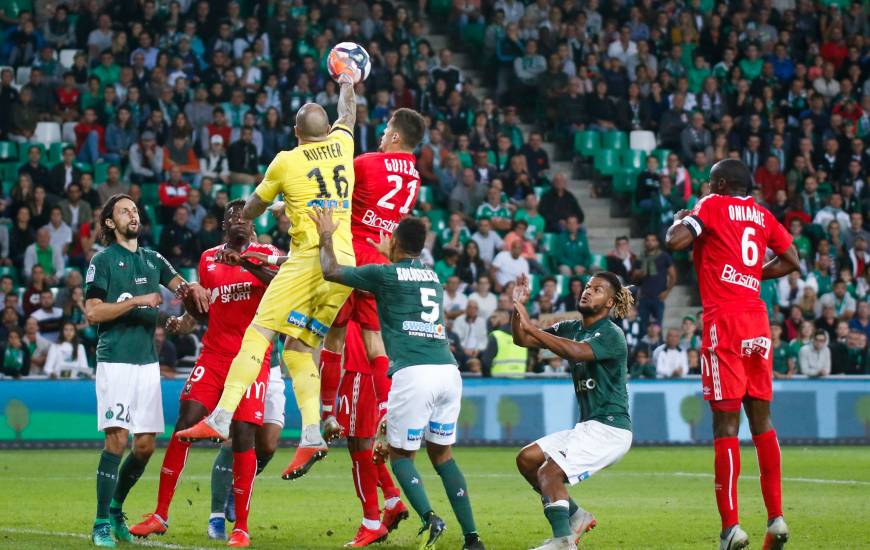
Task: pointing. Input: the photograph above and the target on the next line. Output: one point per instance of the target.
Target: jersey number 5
(337, 179)
(748, 248)
(426, 295)
(397, 181)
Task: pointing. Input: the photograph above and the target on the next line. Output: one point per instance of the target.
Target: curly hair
(623, 298)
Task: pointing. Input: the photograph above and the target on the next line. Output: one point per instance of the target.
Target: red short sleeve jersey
(732, 235)
(385, 191)
(235, 295)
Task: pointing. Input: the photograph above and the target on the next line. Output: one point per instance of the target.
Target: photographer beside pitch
(598, 353)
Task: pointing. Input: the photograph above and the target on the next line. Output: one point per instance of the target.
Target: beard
(588, 310)
(130, 233)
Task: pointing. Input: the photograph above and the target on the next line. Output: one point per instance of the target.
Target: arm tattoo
(347, 106)
(254, 206)
(328, 263)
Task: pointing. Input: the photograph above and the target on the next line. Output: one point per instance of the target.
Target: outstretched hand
(383, 245)
(322, 218)
(380, 448)
(522, 289)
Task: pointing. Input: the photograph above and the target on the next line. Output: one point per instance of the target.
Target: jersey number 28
(748, 248)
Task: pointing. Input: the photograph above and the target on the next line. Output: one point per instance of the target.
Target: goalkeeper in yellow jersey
(299, 303)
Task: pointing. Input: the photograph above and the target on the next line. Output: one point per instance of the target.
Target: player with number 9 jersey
(732, 234)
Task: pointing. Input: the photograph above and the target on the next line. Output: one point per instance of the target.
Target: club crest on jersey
(759, 345)
(92, 274)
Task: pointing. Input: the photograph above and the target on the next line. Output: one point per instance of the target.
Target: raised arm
(679, 236)
(563, 347)
(346, 103)
(254, 206)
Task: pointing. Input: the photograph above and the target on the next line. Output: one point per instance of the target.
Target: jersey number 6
(748, 248)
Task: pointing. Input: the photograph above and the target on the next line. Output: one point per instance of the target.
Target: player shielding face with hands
(730, 234)
(426, 391)
(299, 303)
(597, 352)
(122, 299)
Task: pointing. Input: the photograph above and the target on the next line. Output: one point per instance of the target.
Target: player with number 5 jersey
(731, 234)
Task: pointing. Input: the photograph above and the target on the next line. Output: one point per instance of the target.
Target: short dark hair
(107, 235)
(410, 235)
(235, 203)
(410, 125)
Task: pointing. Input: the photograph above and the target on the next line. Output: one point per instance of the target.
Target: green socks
(557, 515)
(107, 478)
(572, 507)
(131, 471)
(221, 480)
(412, 485)
(457, 493)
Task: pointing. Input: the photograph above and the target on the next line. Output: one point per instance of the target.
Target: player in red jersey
(386, 189)
(236, 291)
(731, 233)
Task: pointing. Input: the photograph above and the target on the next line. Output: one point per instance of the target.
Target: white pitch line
(151, 543)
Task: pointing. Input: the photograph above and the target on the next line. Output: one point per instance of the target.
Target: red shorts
(361, 306)
(357, 405)
(735, 357)
(206, 384)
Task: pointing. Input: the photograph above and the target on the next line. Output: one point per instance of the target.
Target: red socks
(380, 366)
(770, 468)
(727, 466)
(365, 481)
(173, 464)
(385, 482)
(244, 472)
(330, 377)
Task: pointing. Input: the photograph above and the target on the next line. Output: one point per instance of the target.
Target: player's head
(312, 124)
(730, 177)
(236, 227)
(408, 239)
(119, 218)
(404, 131)
(604, 292)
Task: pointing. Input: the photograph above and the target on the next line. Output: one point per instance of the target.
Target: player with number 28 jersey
(731, 236)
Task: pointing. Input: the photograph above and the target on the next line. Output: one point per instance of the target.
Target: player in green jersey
(122, 298)
(597, 351)
(426, 387)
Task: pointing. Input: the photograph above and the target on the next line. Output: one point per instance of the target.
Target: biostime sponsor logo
(373, 220)
(731, 275)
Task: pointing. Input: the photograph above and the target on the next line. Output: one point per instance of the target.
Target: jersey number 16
(337, 179)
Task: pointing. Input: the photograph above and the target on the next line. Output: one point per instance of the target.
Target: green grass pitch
(655, 498)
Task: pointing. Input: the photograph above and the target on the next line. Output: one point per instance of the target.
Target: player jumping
(236, 291)
(731, 234)
(123, 295)
(387, 185)
(598, 353)
(299, 303)
(425, 395)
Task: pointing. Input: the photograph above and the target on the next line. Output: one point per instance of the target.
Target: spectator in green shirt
(803, 245)
(571, 253)
(529, 213)
(783, 359)
(698, 73)
(494, 210)
(455, 235)
(699, 171)
(446, 266)
(107, 71)
(751, 65)
(642, 368)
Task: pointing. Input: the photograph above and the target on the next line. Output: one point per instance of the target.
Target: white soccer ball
(349, 54)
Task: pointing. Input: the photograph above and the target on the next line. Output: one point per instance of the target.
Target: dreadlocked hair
(623, 299)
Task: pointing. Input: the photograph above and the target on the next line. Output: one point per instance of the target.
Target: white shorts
(423, 403)
(587, 448)
(128, 396)
(275, 399)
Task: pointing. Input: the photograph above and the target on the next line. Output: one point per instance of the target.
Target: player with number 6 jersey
(731, 234)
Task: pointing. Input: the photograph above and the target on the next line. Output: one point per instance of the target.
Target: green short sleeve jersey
(409, 297)
(781, 355)
(115, 275)
(487, 211)
(600, 384)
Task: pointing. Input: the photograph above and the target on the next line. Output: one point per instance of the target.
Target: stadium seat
(539, 190)
(84, 167)
(473, 34)
(150, 210)
(598, 261)
(9, 173)
(55, 152)
(614, 139)
(634, 159)
(11, 271)
(662, 155)
(586, 143)
(606, 161)
(534, 285)
(101, 172)
(240, 190)
(563, 285)
(438, 219)
(189, 273)
(8, 150)
(67, 57)
(47, 133)
(23, 148)
(150, 193)
(156, 230)
(22, 76)
(643, 140)
(7, 185)
(217, 187)
(424, 195)
(264, 222)
(440, 8)
(548, 240)
(625, 180)
(68, 132)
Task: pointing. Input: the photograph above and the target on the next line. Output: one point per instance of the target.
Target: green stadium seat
(464, 158)
(240, 190)
(490, 158)
(101, 172)
(548, 241)
(156, 231)
(473, 35)
(24, 147)
(539, 190)
(264, 223)
(614, 140)
(598, 261)
(634, 158)
(625, 180)
(8, 150)
(216, 188)
(662, 155)
(424, 195)
(151, 211)
(586, 143)
(189, 273)
(563, 285)
(10, 270)
(84, 166)
(438, 218)
(440, 8)
(150, 193)
(9, 174)
(55, 152)
(534, 285)
(606, 161)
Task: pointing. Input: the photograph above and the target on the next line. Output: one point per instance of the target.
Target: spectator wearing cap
(217, 126)
(670, 359)
(557, 203)
(215, 164)
(113, 184)
(146, 159)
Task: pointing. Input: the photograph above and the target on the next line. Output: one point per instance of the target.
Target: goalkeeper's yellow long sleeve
(245, 369)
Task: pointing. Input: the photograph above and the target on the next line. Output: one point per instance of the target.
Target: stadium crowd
(182, 104)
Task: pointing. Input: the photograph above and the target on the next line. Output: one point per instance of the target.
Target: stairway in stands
(601, 226)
